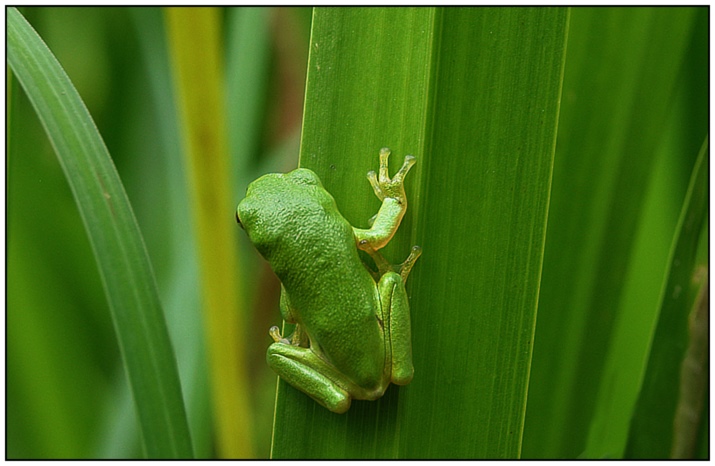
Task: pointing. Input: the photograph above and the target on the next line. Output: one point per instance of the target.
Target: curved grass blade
(116, 241)
(622, 65)
(647, 265)
(667, 415)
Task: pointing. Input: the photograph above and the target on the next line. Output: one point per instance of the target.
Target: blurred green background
(67, 392)
(634, 111)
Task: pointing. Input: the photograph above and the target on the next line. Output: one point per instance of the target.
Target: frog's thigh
(301, 368)
(397, 315)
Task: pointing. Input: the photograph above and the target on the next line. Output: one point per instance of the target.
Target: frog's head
(278, 206)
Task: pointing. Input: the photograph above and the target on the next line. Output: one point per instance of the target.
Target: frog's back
(334, 296)
(295, 224)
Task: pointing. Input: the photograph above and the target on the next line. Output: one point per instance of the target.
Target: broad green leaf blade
(473, 93)
(668, 415)
(197, 59)
(621, 68)
(117, 243)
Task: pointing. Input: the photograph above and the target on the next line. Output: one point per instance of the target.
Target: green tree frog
(352, 336)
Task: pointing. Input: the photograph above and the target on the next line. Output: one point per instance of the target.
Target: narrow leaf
(668, 415)
(116, 241)
(621, 69)
(635, 318)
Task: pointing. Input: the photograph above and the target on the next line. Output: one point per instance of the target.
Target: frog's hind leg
(304, 370)
(397, 322)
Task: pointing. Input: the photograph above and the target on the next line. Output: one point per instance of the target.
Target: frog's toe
(339, 405)
(275, 333)
(406, 266)
(406, 165)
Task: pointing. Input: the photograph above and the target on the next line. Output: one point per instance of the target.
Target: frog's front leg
(394, 204)
(304, 370)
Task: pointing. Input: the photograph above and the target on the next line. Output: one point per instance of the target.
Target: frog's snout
(238, 220)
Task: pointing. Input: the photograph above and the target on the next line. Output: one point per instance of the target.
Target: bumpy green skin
(353, 334)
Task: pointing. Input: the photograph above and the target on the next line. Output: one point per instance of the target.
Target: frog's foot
(304, 370)
(297, 338)
(386, 187)
(406, 266)
(275, 333)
